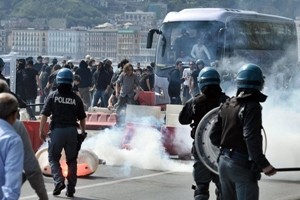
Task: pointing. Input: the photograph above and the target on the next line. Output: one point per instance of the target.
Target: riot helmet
(208, 76)
(1, 64)
(64, 76)
(250, 76)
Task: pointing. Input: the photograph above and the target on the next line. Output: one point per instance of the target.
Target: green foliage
(80, 12)
(77, 12)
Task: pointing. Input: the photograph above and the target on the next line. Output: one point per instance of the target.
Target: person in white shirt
(186, 74)
(200, 51)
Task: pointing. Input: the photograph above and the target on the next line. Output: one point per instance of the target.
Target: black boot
(58, 188)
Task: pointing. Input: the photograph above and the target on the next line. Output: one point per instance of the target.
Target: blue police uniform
(66, 109)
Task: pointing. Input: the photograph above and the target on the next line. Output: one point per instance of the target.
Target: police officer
(238, 133)
(193, 111)
(66, 108)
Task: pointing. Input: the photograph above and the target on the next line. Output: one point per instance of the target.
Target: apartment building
(3, 41)
(28, 42)
(128, 44)
(102, 42)
(70, 43)
(143, 19)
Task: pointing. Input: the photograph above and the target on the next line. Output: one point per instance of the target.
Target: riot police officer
(193, 111)
(66, 108)
(238, 133)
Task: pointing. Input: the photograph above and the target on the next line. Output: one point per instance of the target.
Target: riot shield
(207, 152)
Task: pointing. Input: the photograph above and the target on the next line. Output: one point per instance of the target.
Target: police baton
(289, 169)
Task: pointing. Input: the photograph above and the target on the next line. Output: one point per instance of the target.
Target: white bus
(232, 37)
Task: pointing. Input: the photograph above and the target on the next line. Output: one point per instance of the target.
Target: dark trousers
(203, 176)
(63, 139)
(175, 100)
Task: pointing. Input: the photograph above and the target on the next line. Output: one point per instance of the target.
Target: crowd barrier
(33, 132)
(96, 121)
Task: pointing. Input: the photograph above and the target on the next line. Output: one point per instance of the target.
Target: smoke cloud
(142, 148)
(281, 116)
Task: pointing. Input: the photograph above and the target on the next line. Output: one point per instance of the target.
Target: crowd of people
(95, 81)
(65, 92)
(68, 91)
(183, 82)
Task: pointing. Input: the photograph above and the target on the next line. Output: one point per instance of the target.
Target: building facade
(102, 42)
(28, 42)
(70, 43)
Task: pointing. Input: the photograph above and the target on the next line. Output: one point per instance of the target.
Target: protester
(11, 149)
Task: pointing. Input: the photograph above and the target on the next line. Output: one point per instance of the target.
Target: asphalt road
(111, 183)
(146, 172)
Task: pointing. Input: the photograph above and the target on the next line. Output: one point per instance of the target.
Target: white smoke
(281, 116)
(139, 146)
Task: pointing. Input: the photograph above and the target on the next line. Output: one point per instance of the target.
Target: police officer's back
(193, 111)
(238, 134)
(66, 108)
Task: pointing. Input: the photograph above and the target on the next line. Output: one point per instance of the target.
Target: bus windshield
(178, 38)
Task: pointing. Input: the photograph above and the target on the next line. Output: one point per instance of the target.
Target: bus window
(260, 35)
(178, 38)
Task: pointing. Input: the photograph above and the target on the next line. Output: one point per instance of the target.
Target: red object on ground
(173, 145)
(147, 98)
(33, 132)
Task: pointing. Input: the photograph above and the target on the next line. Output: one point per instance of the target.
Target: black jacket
(195, 109)
(239, 126)
(175, 81)
(85, 74)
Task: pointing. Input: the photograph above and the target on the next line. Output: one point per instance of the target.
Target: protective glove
(80, 139)
(269, 170)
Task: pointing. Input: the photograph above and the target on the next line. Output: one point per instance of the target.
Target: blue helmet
(250, 76)
(65, 76)
(208, 76)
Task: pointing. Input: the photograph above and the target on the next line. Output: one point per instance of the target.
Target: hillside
(91, 12)
(77, 12)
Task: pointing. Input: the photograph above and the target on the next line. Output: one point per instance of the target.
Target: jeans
(237, 182)
(100, 94)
